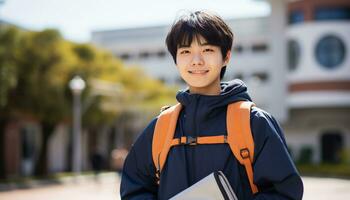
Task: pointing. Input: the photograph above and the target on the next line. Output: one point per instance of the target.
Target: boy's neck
(206, 91)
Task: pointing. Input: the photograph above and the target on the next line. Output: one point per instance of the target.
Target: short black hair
(200, 23)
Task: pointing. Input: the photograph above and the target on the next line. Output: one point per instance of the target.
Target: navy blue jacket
(274, 172)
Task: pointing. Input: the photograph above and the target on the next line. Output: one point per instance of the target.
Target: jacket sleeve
(274, 171)
(138, 177)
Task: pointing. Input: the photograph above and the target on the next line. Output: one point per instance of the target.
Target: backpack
(239, 137)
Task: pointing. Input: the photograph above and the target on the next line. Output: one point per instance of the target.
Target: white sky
(77, 18)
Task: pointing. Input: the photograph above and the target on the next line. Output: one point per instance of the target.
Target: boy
(200, 44)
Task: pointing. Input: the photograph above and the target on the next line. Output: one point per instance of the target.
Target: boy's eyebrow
(201, 44)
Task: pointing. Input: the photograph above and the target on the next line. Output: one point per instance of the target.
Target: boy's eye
(208, 50)
(184, 51)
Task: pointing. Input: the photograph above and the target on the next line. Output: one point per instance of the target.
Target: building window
(238, 48)
(330, 51)
(162, 79)
(260, 76)
(259, 47)
(330, 13)
(144, 54)
(161, 54)
(293, 54)
(28, 143)
(332, 146)
(296, 16)
(124, 56)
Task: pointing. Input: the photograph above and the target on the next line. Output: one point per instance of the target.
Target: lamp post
(77, 85)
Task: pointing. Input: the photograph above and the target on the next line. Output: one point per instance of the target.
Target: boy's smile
(199, 72)
(200, 65)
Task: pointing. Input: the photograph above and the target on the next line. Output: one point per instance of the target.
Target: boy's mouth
(198, 71)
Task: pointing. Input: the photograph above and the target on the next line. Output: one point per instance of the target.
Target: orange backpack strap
(163, 136)
(240, 138)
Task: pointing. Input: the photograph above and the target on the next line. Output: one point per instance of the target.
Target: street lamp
(77, 85)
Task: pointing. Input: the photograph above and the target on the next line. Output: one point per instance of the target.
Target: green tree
(9, 50)
(35, 68)
(37, 93)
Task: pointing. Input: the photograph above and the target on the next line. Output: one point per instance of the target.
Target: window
(330, 51)
(296, 16)
(332, 13)
(260, 76)
(162, 79)
(238, 48)
(332, 144)
(144, 54)
(293, 54)
(259, 47)
(161, 54)
(28, 148)
(125, 56)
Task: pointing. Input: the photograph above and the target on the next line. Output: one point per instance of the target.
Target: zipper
(195, 134)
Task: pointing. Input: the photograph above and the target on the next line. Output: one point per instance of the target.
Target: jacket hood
(231, 92)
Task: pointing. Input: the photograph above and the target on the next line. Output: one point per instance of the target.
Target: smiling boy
(200, 44)
(200, 65)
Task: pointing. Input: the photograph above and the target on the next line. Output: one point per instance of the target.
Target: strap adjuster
(190, 141)
(245, 153)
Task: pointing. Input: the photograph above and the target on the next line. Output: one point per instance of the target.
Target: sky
(76, 19)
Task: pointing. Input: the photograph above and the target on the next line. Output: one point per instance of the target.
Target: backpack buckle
(245, 153)
(191, 140)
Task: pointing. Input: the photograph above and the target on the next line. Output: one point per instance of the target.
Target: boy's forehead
(197, 39)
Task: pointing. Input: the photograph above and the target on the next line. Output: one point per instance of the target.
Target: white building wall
(58, 149)
(307, 35)
(309, 70)
(245, 64)
(278, 62)
(297, 139)
(307, 126)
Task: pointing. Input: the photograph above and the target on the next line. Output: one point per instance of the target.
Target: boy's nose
(197, 59)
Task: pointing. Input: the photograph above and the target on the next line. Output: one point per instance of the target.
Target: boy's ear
(227, 58)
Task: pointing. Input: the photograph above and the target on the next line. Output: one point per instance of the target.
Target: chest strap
(220, 139)
(244, 153)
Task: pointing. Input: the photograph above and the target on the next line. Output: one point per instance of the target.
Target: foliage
(9, 53)
(306, 154)
(35, 68)
(325, 170)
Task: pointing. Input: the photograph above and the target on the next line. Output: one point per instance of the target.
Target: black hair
(200, 23)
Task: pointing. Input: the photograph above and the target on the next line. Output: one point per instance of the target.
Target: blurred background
(79, 80)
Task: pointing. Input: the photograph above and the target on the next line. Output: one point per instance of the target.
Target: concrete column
(278, 45)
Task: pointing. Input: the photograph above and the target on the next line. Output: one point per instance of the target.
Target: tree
(35, 68)
(9, 40)
(37, 92)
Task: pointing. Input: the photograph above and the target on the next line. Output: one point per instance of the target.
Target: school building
(296, 63)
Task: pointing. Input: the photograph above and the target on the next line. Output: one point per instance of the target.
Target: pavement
(103, 187)
(106, 187)
(326, 188)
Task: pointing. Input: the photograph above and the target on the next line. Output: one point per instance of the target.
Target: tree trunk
(42, 164)
(3, 122)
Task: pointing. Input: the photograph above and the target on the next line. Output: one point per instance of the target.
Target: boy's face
(200, 66)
